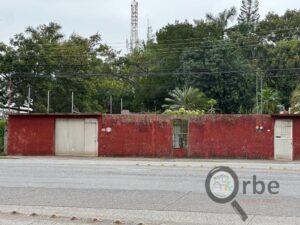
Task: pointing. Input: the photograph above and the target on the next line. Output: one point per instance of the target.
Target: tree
(222, 73)
(171, 41)
(295, 101)
(249, 14)
(280, 28)
(270, 100)
(141, 70)
(281, 67)
(212, 103)
(187, 98)
(223, 18)
(42, 59)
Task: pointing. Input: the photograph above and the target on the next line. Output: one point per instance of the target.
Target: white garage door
(283, 139)
(76, 137)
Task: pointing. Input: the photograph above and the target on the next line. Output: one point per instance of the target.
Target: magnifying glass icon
(222, 186)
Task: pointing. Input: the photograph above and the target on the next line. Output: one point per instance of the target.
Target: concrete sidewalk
(163, 162)
(86, 216)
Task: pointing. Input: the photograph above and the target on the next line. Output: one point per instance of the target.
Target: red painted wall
(296, 138)
(32, 136)
(219, 136)
(233, 136)
(135, 135)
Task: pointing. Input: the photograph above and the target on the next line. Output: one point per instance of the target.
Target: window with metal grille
(180, 133)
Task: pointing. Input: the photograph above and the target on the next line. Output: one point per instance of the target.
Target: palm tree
(223, 17)
(187, 98)
(271, 100)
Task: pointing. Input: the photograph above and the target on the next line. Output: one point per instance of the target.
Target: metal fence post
(5, 139)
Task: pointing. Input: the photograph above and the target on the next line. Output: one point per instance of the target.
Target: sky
(111, 18)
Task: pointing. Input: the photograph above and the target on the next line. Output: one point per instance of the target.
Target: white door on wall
(91, 137)
(76, 137)
(283, 136)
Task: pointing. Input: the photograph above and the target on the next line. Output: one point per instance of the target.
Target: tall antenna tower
(149, 31)
(134, 39)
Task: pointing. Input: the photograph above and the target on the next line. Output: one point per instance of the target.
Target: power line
(62, 65)
(86, 75)
(158, 50)
(183, 41)
(187, 39)
(164, 42)
(255, 33)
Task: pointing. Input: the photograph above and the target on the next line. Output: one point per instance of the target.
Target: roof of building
(55, 114)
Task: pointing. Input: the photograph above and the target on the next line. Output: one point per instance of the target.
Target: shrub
(182, 111)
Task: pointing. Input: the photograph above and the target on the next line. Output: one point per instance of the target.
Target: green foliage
(183, 111)
(222, 73)
(106, 87)
(222, 62)
(280, 28)
(249, 14)
(223, 18)
(295, 101)
(270, 99)
(281, 63)
(212, 103)
(2, 130)
(187, 98)
(43, 60)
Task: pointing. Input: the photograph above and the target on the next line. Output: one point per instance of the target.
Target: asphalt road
(153, 193)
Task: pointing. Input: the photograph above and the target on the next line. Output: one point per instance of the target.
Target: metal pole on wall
(257, 105)
(5, 139)
(121, 105)
(28, 99)
(72, 110)
(261, 101)
(48, 102)
(9, 93)
(110, 104)
(261, 94)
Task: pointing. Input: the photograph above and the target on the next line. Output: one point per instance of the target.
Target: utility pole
(261, 94)
(72, 110)
(48, 102)
(121, 105)
(257, 104)
(110, 104)
(9, 93)
(28, 99)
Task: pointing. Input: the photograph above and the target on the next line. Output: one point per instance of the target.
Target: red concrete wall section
(217, 136)
(231, 136)
(32, 136)
(296, 138)
(136, 135)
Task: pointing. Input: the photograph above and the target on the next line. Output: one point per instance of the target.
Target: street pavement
(133, 191)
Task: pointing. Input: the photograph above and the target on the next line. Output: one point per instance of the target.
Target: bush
(182, 111)
(2, 130)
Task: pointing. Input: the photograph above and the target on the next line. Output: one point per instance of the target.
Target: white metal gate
(283, 140)
(76, 137)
